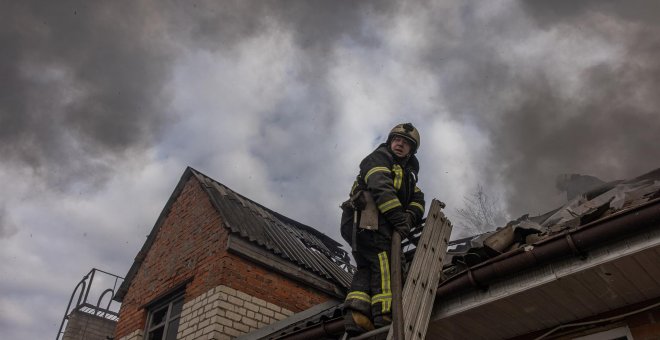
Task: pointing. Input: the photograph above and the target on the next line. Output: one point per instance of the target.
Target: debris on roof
(584, 208)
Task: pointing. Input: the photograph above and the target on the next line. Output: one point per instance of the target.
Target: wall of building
(191, 246)
(256, 280)
(645, 325)
(85, 326)
(136, 335)
(224, 313)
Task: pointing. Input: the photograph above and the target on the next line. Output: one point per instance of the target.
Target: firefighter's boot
(357, 323)
(382, 320)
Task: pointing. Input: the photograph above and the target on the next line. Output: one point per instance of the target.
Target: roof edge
(258, 255)
(575, 242)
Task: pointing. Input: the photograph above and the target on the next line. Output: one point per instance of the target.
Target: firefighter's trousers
(370, 291)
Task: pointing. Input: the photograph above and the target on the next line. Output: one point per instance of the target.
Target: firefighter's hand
(410, 220)
(403, 230)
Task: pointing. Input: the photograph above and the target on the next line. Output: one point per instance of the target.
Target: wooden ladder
(424, 274)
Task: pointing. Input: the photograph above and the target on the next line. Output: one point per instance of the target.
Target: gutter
(571, 242)
(329, 328)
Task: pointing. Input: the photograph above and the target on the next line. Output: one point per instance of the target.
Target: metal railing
(83, 290)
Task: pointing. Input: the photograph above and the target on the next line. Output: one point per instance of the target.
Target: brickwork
(187, 246)
(224, 313)
(646, 325)
(256, 280)
(137, 335)
(85, 326)
(191, 246)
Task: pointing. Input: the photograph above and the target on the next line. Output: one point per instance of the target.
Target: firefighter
(389, 176)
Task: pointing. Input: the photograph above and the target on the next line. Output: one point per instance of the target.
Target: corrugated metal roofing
(291, 240)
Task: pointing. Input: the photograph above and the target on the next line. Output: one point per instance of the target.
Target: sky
(104, 104)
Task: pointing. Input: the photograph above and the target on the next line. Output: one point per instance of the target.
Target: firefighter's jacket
(393, 184)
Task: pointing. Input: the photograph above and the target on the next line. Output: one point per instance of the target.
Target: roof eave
(574, 241)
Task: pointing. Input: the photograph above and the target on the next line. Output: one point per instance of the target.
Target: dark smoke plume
(83, 85)
(607, 129)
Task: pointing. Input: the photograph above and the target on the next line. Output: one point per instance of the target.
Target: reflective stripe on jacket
(393, 184)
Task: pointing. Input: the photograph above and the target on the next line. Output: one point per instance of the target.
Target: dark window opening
(163, 319)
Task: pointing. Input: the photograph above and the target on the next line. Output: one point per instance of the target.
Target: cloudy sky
(104, 104)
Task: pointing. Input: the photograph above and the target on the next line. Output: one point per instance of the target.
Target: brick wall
(191, 246)
(137, 335)
(85, 326)
(645, 325)
(224, 313)
(256, 280)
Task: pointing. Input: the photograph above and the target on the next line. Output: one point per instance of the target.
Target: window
(163, 319)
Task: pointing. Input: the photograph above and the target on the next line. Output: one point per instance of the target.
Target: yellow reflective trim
(374, 170)
(398, 176)
(381, 297)
(419, 206)
(393, 203)
(417, 189)
(385, 283)
(385, 300)
(357, 295)
(355, 184)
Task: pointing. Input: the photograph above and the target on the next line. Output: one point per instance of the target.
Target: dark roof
(287, 238)
(295, 242)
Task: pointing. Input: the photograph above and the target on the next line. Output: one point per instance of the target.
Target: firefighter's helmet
(407, 131)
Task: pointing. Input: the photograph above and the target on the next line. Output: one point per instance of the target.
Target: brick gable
(189, 246)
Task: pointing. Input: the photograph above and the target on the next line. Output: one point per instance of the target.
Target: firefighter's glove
(411, 219)
(397, 217)
(403, 230)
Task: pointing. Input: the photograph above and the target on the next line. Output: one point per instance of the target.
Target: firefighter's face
(400, 146)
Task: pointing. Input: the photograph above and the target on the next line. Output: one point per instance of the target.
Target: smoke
(7, 227)
(548, 14)
(555, 87)
(607, 127)
(84, 87)
(576, 92)
(87, 83)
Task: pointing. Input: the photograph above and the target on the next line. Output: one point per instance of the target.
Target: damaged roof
(596, 204)
(607, 213)
(297, 243)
